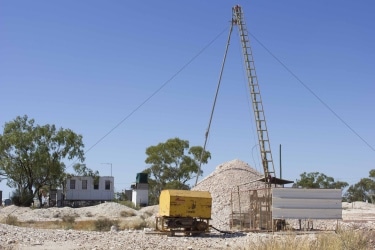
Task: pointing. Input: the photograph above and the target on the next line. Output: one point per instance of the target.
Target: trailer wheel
(201, 226)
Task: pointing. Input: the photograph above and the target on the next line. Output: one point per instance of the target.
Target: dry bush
(89, 214)
(134, 223)
(125, 213)
(104, 224)
(45, 225)
(345, 239)
(148, 213)
(88, 225)
(357, 239)
(326, 241)
(284, 242)
(11, 220)
(92, 225)
(150, 224)
(77, 225)
(68, 219)
(129, 204)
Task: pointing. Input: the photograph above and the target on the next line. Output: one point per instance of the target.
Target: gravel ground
(26, 238)
(357, 216)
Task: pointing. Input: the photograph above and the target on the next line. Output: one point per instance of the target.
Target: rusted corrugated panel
(294, 203)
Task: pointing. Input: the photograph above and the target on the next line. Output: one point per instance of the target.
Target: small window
(107, 185)
(96, 186)
(84, 184)
(72, 184)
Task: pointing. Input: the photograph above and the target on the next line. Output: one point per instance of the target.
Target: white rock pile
(224, 180)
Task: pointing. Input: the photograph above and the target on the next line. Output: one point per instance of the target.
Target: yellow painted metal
(185, 203)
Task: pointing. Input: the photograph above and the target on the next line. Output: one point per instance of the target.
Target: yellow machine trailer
(184, 211)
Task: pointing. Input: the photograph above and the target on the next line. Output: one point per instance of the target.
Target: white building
(140, 190)
(83, 188)
(140, 194)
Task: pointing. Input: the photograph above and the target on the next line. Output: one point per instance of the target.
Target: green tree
(83, 170)
(121, 196)
(319, 180)
(363, 190)
(3, 175)
(171, 167)
(372, 173)
(31, 156)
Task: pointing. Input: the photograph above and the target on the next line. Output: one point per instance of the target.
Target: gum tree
(364, 190)
(173, 164)
(31, 156)
(319, 180)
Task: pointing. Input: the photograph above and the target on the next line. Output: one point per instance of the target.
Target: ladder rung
(266, 151)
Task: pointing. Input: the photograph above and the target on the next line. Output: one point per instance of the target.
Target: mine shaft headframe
(260, 120)
(235, 11)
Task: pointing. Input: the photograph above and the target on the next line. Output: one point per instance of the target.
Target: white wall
(140, 196)
(89, 194)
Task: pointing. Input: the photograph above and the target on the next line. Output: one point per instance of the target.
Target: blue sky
(123, 67)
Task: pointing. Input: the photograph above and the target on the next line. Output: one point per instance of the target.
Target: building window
(72, 184)
(96, 185)
(84, 184)
(107, 185)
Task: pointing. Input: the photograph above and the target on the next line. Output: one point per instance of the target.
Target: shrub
(351, 239)
(104, 224)
(126, 213)
(22, 198)
(129, 204)
(134, 223)
(11, 220)
(68, 219)
(149, 213)
(345, 239)
(150, 223)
